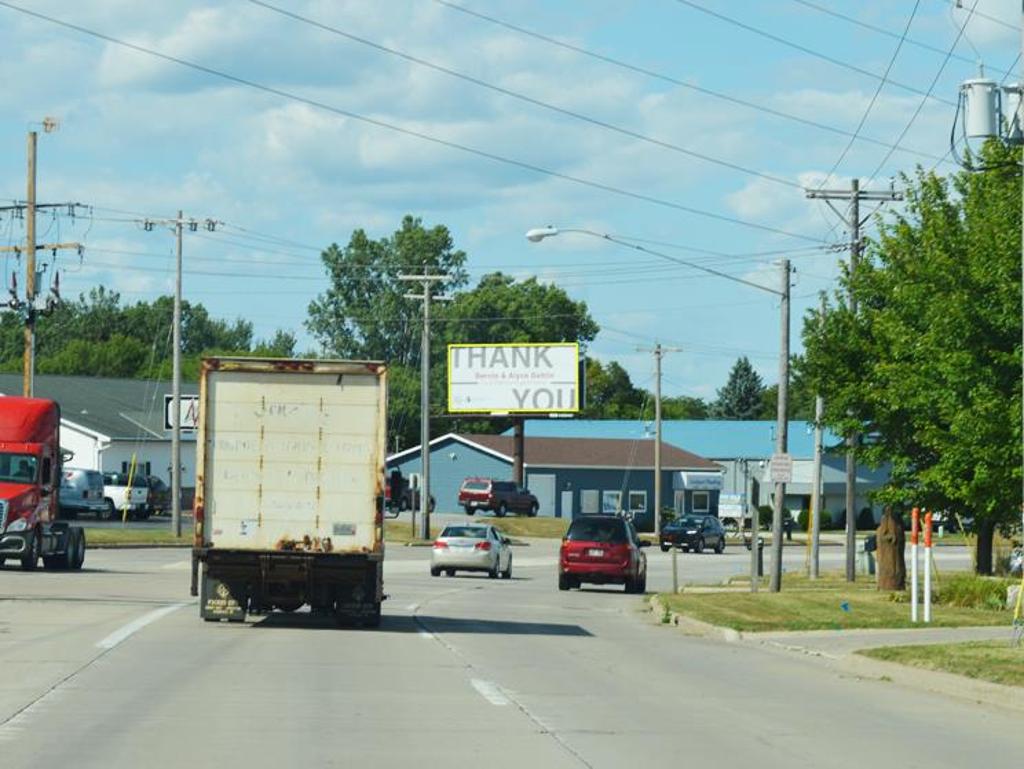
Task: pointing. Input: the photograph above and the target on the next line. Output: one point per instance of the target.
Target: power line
(527, 99)
(890, 33)
(931, 87)
(809, 51)
(987, 16)
(677, 81)
(486, 154)
(874, 97)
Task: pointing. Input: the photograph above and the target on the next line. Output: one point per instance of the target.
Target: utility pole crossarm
(43, 247)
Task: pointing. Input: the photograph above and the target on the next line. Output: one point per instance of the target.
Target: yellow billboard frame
(511, 412)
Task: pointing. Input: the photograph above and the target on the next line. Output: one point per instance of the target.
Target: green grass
(514, 526)
(994, 661)
(131, 537)
(819, 605)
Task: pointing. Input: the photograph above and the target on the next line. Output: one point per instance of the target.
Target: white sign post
(782, 468)
(514, 378)
(189, 412)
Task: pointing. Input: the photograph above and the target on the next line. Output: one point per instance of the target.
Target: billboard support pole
(518, 450)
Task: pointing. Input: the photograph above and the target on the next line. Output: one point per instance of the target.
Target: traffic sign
(782, 468)
(189, 412)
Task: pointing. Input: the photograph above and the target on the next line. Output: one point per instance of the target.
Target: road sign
(730, 505)
(189, 412)
(782, 468)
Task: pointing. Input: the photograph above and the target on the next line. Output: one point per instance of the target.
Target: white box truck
(289, 488)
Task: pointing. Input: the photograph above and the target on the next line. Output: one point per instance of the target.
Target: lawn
(135, 537)
(829, 603)
(994, 661)
(514, 526)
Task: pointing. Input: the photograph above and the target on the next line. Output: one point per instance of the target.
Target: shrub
(765, 513)
(972, 591)
(866, 520)
(825, 520)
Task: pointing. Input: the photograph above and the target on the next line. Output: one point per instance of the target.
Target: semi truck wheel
(30, 559)
(79, 539)
(111, 512)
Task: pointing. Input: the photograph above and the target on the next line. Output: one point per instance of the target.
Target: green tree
(930, 363)
(801, 396)
(742, 395)
(611, 394)
(364, 313)
(683, 407)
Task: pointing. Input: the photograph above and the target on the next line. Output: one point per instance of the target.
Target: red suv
(498, 496)
(603, 549)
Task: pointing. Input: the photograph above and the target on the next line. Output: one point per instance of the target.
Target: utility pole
(28, 306)
(781, 433)
(427, 279)
(659, 352)
(816, 491)
(853, 223)
(178, 225)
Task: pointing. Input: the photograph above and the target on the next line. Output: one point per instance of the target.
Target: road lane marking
(412, 607)
(427, 634)
(491, 692)
(135, 626)
(182, 565)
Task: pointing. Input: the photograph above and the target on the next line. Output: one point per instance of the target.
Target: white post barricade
(928, 566)
(915, 526)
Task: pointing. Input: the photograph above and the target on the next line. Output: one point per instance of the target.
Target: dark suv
(500, 497)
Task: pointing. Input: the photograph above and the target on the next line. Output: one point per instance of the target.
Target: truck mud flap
(220, 600)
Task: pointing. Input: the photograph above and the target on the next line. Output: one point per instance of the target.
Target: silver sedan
(472, 548)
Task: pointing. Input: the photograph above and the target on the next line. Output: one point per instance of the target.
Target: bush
(973, 592)
(765, 513)
(825, 520)
(866, 520)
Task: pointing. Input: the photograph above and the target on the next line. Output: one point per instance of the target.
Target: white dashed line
(135, 626)
(491, 692)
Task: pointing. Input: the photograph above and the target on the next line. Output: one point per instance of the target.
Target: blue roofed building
(571, 476)
(743, 450)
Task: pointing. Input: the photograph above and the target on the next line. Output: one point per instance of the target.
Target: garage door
(543, 487)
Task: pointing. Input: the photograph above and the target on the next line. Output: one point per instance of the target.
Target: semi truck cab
(30, 459)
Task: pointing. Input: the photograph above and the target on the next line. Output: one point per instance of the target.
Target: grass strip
(829, 603)
(131, 537)
(994, 661)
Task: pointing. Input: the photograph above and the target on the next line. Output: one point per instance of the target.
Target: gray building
(106, 422)
(571, 476)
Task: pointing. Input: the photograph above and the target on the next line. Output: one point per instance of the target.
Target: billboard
(514, 378)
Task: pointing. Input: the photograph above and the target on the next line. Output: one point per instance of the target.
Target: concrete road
(111, 667)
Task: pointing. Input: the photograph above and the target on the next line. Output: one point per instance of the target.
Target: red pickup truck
(499, 497)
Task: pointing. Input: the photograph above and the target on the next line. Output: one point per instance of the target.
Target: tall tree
(364, 312)
(741, 397)
(930, 364)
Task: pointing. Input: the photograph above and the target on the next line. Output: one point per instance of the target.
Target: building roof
(714, 438)
(580, 452)
(125, 409)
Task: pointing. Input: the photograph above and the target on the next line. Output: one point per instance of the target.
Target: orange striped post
(928, 566)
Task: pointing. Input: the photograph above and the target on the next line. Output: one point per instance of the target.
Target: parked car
(694, 532)
(602, 549)
(117, 495)
(472, 548)
(500, 497)
(81, 491)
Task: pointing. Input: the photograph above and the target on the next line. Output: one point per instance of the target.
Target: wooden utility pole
(427, 279)
(27, 306)
(853, 222)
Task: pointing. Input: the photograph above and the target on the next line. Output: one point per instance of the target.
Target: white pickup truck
(122, 500)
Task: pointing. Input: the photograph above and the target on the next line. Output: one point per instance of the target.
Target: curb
(695, 627)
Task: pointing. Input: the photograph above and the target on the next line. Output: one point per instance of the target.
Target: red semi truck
(30, 467)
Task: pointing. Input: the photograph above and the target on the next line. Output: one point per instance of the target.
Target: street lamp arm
(540, 233)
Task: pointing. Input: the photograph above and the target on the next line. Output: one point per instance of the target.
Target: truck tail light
(440, 545)
(200, 513)
(485, 546)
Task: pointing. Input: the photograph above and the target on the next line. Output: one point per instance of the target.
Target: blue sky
(140, 135)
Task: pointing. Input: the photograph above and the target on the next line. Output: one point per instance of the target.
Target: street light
(538, 234)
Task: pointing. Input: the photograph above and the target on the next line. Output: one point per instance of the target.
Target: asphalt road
(111, 667)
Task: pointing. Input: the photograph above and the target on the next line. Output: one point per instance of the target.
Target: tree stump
(892, 568)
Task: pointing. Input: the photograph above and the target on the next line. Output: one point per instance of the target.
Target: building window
(701, 502)
(589, 501)
(638, 501)
(611, 501)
